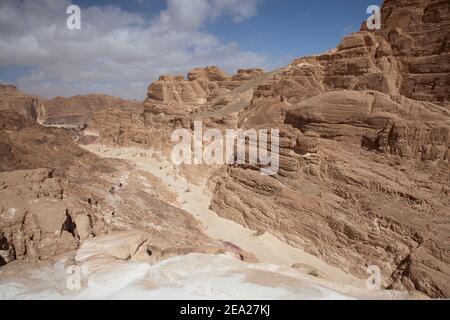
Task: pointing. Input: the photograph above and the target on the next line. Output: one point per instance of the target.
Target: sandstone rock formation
(35, 220)
(12, 99)
(418, 36)
(76, 111)
(54, 196)
(364, 174)
(171, 94)
(364, 177)
(174, 102)
(73, 112)
(247, 74)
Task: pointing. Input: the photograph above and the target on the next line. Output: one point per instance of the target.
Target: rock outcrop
(364, 152)
(35, 219)
(364, 175)
(73, 112)
(77, 111)
(364, 146)
(54, 196)
(395, 125)
(417, 35)
(12, 98)
(175, 94)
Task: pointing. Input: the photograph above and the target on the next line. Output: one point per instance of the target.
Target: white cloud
(115, 52)
(182, 15)
(238, 9)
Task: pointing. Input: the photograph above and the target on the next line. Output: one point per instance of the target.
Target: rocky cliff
(12, 98)
(365, 127)
(55, 196)
(364, 173)
(364, 156)
(77, 111)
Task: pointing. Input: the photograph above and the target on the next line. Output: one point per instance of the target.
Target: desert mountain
(364, 176)
(63, 112)
(55, 195)
(12, 98)
(77, 111)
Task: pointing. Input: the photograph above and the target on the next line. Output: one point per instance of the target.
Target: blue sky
(296, 28)
(125, 45)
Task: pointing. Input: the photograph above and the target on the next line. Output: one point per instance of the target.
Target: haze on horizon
(123, 46)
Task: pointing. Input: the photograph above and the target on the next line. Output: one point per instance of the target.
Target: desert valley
(92, 207)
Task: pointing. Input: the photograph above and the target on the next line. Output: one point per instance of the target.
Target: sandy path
(195, 200)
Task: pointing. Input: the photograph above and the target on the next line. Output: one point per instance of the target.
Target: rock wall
(203, 85)
(54, 196)
(29, 107)
(77, 111)
(364, 171)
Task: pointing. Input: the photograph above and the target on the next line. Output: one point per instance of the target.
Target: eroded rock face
(35, 219)
(409, 56)
(54, 196)
(418, 35)
(77, 111)
(201, 85)
(65, 112)
(175, 94)
(120, 245)
(364, 174)
(364, 152)
(213, 74)
(169, 89)
(247, 74)
(364, 159)
(29, 107)
(176, 102)
(396, 125)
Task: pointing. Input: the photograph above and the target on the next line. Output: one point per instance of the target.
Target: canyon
(363, 179)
